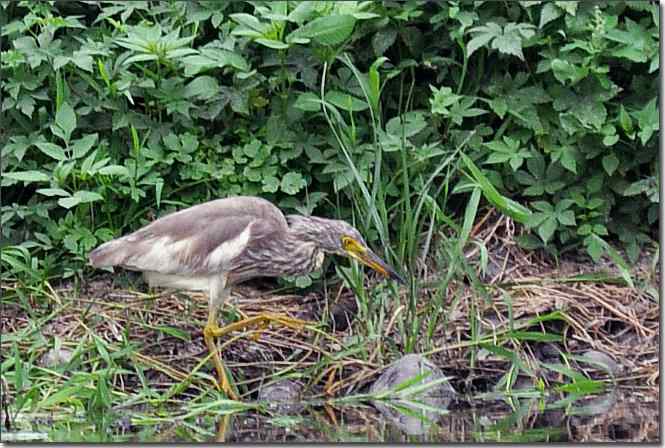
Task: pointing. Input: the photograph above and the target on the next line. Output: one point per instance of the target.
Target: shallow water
(616, 416)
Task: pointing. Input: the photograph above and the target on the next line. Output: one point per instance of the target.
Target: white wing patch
(228, 250)
(161, 255)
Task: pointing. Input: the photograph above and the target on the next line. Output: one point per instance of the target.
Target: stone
(56, 357)
(418, 421)
(283, 396)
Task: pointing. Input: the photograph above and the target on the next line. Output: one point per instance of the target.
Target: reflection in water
(615, 416)
(413, 411)
(485, 422)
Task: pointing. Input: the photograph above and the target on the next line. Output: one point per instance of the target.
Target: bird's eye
(347, 242)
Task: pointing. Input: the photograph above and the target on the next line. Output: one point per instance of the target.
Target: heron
(217, 244)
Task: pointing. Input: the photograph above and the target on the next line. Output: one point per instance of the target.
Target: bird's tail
(110, 253)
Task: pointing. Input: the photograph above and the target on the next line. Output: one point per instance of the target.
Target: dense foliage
(115, 112)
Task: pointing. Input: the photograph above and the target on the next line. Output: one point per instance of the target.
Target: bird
(217, 244)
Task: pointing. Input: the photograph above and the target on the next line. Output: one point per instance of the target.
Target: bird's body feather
(219, 243)
(197, 242)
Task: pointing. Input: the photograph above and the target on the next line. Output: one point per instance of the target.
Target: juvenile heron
(217, 244)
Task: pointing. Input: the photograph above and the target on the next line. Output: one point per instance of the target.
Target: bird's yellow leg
(218, 292)
(261, 320)
(223, 429)
(209, 337)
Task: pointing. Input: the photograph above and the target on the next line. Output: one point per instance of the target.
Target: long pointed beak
(372, 260)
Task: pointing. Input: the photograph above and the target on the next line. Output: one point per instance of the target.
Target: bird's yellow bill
(369, 258)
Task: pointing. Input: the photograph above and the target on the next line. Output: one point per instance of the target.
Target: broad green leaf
(409, 124)
(53, 192)
(345, 101)
(69, 202)
(179, 53)
(383, 40)
(271, 43)
(204, 87)
(270, 184)
(610, 140)
(477, 42)
(567, 159)
(442, 100)
(52, 150)
(26, 104)
(329, 30)
(499, 106)
(497, 157)
(624, 120)
(594, 247)
(565, 71)
(65, 119)
(568, 6)
(80, 197)
(114, 170)
(610, 163)
(88, 196)
(647, 120)
(27, 176)
(549, 12)
(250, 22)
(292, 183)
(308, 101)
(81, 146)
(567, 218)
(547, 228)
(213, 58)
(141, 57)
(302, 12)
(82, 60)
(637, 187)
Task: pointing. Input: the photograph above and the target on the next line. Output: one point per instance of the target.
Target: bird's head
(340, 238)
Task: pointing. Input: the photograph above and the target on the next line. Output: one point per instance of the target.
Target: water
(615, 416)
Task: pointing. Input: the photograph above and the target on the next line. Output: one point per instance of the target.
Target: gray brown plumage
(244, 237)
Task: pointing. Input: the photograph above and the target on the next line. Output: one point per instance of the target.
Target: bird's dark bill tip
(396, 277)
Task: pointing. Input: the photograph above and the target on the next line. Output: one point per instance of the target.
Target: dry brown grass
(615, 320)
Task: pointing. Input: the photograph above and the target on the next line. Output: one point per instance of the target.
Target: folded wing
(201, 240)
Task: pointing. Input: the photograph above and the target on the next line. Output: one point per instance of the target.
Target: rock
(282, 396)
(56, 357)
(408, 367)
(418, 421)
(602, 361)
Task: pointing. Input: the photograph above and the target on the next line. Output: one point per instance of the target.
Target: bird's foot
(261, 321)
(223, 383)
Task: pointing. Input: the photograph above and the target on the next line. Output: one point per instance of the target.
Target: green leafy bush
(115, 112)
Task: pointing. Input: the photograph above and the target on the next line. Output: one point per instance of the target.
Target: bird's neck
(300, 256)
(302, 243)
(287, 255)
(305, 228)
